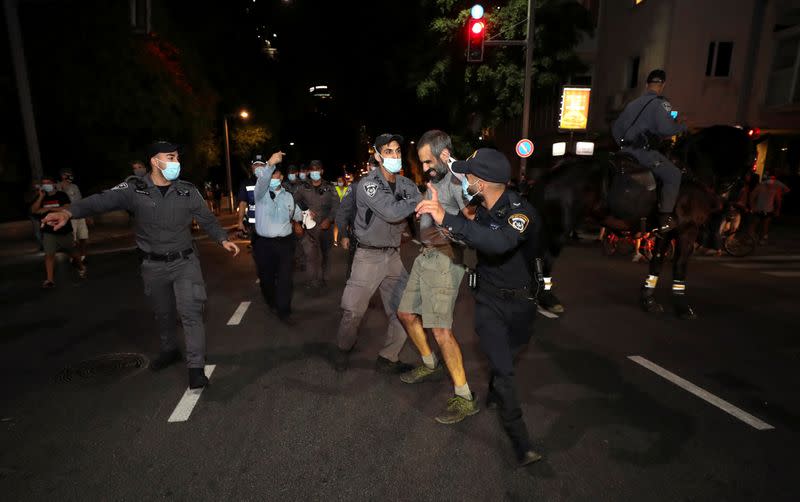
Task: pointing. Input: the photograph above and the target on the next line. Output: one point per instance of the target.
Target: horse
(622, 195)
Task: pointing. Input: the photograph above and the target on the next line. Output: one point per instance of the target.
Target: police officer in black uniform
(504, 235)
(163, 207)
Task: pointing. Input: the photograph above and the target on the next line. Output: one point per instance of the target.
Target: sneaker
(384, 365)
(458, 409)
(197, 378)
(165, 359)
(528, 458)
(423, 373)
(48, 285)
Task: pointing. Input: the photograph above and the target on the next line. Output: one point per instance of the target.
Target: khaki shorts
(79, 229)
(432, 289)
(52, 243)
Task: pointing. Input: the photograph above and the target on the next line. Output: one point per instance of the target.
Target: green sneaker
(422, 373)
(458, 409)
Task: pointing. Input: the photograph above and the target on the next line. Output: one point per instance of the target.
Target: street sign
(524, 148)
(574, 108)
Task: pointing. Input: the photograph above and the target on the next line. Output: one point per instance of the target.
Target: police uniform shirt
(322, 200)
(274, 210)
(655, 119)
(501, 235)
(451, 197)
(381, 211)
(162, 222)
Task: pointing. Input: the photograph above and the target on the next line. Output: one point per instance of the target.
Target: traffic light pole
(526, 107)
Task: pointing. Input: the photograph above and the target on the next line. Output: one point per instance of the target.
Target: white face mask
(392, 165)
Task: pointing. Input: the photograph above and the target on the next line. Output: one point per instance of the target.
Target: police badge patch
(667, 105)
(518, 222)
(121, 186)
(371, 189)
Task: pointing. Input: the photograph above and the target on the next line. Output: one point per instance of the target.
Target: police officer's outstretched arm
(379, 197)
(209, 222)
(119, 197)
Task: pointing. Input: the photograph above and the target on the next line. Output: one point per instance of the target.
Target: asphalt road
(277, 423)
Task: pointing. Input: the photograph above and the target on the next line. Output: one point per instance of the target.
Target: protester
(80, 231)
(766, 200)
(51, 200)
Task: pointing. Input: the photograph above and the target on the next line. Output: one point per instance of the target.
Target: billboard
(574, 114)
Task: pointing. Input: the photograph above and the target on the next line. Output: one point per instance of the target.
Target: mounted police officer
(503, 233)
(163, 208)
(641, 126)
(383, 200)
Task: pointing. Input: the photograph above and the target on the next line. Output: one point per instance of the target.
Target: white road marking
(236, 318)
(546, 313)
(189, 400)
(703, 394)
(781, 273)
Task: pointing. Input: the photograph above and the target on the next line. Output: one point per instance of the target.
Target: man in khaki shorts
(433, 284)
(80, 232)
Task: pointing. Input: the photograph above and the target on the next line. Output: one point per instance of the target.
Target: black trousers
(503, 328)
(274, 258)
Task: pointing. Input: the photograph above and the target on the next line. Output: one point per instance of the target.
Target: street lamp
(244, 115)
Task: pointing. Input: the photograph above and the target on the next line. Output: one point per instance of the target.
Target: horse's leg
(647, 298)
(548, 301)
(687, 235)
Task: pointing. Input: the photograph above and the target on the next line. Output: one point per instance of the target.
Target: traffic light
(476, 34)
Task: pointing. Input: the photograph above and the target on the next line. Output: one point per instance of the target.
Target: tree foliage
(248, 140)
(494, 88)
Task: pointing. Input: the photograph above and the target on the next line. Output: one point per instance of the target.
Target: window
(633, 73)
(718, 63)
(784, 85)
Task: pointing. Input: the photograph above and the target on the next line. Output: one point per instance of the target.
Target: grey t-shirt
(452, 199)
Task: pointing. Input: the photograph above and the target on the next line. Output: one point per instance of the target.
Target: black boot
(197, 378)
(666, 223)
(165, 359)
(514, 425)
(341, 360)
(648, 301)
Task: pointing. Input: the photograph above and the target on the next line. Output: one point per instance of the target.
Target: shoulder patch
(518, 222)
(121, 186)
(371, 188)
(667, 105)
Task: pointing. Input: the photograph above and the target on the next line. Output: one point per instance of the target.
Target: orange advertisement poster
(574, 108)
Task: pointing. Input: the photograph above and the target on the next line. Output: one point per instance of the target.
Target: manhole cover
(104, 367)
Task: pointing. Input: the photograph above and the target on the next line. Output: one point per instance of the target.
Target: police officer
(291, 183)
(319, 197)
(345, 218)
(430, 296)
(383, 201)
(163, 207)
(503, 234)
(273, 241)
(641, 126)
(247, 204)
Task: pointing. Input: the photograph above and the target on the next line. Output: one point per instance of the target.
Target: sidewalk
(103, 238)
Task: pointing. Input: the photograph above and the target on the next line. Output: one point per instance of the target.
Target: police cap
(657, 77)
(487, 164)
(157, 147)
(258, 159)
(385, 139)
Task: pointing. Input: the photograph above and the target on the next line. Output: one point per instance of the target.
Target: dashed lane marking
(236, 318)
(189, 400)
(703, 394)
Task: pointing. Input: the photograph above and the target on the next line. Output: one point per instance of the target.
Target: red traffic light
(476, 32)
(477, 27)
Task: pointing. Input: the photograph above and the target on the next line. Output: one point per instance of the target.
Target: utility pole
(228, 163)
(23, 87)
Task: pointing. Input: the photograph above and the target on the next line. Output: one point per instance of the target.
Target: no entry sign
(524, 148)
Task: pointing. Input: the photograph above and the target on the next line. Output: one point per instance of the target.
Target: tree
(249, 140)
(493, 91)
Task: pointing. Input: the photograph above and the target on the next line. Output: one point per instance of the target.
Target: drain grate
(107, 366)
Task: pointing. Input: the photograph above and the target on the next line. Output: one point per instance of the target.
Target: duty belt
(505, 293)
(171, 256)
(364, 246)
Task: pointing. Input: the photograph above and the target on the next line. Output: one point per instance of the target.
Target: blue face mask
(392, 165)
(465, 184)
(172, 171)
(315, 175)
(292, 176)
(274, 184)
(302, 176)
